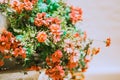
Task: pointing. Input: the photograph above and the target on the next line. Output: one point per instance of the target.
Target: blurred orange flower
(19, 52)
(55, 29)
(76, 14)
(108, 42)
(41, 36)
(95, 50)
(56, 73)
(36, 68)
(1, 63)
(28, 5)
(56, 56)
(18, 6)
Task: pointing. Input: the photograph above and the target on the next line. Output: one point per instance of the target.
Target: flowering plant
(42, 33)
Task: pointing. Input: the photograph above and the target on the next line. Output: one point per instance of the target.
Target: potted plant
(42, 36)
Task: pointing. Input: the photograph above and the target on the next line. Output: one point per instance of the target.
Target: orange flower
(34, 1)
(56, 73)
(56, 38)
(56, 56)
(38, 22)
(87, 58)
(1, 63)
(41, 15)
(76, 14)
(15, 44)
(95, 51)
(36, 68)
(5, 41)
(7, 35)
(72, 64)
(41, 37)
(88, 51)
(4, 45)
(69, 46)
(28, 5)
(108, 42)
(56, 21)
(49, 62)
(19, 52)
(16, 5)
(55, 29)
(76, 35)
(84, 36)
(84, 69)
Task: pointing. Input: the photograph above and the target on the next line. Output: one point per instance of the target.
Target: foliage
(45, 35)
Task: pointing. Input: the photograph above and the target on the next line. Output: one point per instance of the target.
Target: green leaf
(64, 33)
(43, 7)
(48, 1)
(19, 37)
(31, 19)
(40, 1)
(67, 9)
(38, 44)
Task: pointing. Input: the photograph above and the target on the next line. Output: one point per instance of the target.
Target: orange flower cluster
(7, 43)
(73, 60)
(75, 14)
(41, 37)
(56, 71)
(55, 58)
(56, 31)
(52, 23)
(19, 6)
(19, 52)
(40, 19)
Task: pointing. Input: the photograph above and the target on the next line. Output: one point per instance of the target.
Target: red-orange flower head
(56, 73)
(36, 68)
(55, 29)
(17, 6)
(41, 36)
(19, 52)
(76, 35)
(75, 14)
(49, 62)
(56, 21)
(34, 1)
(56, 56)
(39, 20)
(95, 51)
(72, 63)
(5, 41)
(1, 63)
(28, 5)
(108, 42)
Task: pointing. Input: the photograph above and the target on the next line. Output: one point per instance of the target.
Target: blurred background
(101, 19)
